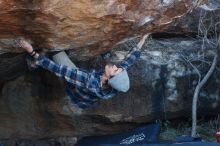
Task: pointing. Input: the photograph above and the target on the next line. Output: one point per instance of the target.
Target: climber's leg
(63, 59)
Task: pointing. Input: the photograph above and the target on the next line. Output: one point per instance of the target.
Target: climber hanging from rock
(84, 87)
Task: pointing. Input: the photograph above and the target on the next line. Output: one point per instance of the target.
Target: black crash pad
(171, 144)
(145, 134)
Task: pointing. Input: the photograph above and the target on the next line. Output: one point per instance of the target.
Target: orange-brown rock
(33, 104)
(89, 27)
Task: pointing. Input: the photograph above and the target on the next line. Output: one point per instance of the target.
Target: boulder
(88, 27)
(34, 104)
(194, 23)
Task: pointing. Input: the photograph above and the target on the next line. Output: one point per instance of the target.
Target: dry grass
(206, 129)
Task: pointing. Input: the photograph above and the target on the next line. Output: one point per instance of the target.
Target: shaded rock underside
(33, 104)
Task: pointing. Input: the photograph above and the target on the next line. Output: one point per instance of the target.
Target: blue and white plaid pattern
(86, 86)
(130, 58)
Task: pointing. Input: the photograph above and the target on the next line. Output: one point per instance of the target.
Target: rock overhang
(87, 28)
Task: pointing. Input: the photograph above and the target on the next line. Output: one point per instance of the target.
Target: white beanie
(120, 81)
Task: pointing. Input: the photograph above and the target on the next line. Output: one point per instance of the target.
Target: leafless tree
(204, 30)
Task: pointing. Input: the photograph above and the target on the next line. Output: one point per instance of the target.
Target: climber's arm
(142, 41)
(134, 54)
(73, 76)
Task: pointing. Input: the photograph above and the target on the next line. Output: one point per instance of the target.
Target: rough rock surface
(162, 84)
(88, 27)
(202, 17)
(33, 104)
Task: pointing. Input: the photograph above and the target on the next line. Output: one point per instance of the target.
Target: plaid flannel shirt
(84, 87)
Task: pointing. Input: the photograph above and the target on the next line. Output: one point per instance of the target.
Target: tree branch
(196, 94)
